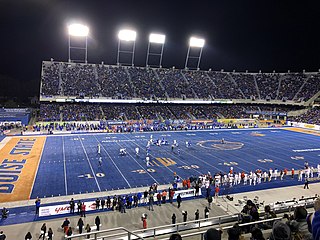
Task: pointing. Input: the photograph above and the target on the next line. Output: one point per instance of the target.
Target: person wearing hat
(280, 231)
(212, 234)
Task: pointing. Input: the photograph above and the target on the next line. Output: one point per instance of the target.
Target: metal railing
(201, 233)
(161, 230)
(97, 234)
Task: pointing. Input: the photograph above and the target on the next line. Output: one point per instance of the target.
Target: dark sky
(240, 34)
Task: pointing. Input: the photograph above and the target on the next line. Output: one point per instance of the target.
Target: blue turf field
(69, 164)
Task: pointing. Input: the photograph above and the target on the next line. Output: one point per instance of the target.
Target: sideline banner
(63, 209)
(91, 205)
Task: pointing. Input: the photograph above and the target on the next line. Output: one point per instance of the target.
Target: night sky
(240, 34)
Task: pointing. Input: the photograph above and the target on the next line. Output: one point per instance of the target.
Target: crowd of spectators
(226, 87)
(114, 82)
(50, 79)
(311, 117)
(310, 88)
(146, 83)
(290, 85)
(246, 84)
(99, 80)
(268, 84)
(78, 112)
(124, 112)
(49, 112)
(174, 83)
(201, 84)
(79, 80)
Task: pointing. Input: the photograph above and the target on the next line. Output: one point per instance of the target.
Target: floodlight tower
(78, 31)
(195, 43)
(157, 39)
(128, 36)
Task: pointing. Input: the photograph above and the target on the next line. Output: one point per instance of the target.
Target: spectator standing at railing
(72, 205)
(69, 232)
(196, 215)
(185, 216)
(79, 207)
(43, 231)
(103, 203)
(28, 236)
(2, 236)
(50, 234)
(37, 203)
(88, 229)
(80, 225)
(179, 200)
(173, 218)
(97, 222)
(65, 225)
(206, 212)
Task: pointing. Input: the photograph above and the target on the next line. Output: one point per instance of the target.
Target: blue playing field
(69, 164)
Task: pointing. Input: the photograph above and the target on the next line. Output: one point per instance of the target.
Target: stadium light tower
(79, 32)
(128, 37)
(157, 39)
(195, 43)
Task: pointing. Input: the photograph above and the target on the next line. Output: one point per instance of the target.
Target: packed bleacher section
(311, 117)
(125, 112)
(97, 80)
(50, 79)
(310, 87)
(290, 85)
(114, 82)
(268, 85)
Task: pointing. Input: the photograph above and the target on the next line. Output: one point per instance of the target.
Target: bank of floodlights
(197, 44)
(126, 45)
(155, 48)
(78, 33)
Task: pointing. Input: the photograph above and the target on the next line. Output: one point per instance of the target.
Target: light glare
(157, 38)
(196, 42)
(78, 30)
(127, 35)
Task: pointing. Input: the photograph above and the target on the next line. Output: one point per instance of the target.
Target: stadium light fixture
(78, 30)
(157, 38)
(127, 35)
(196, 42)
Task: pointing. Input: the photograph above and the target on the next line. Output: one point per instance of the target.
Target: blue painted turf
(69, 164)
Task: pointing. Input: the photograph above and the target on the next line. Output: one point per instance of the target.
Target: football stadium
(121, 150)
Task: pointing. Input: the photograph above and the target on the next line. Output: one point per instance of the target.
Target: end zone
(19, 160)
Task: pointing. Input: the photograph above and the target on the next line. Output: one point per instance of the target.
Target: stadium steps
(300, 89)
(236, 85)
(279, 86)
(96, 75)
(187, 82)
(214, 86)
(60, 79)
(160, 83)
(256, 84)
(131, 83)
